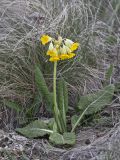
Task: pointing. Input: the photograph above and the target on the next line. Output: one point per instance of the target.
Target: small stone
(6, 139)
(87, 141)
(3, 145)
(19, 138)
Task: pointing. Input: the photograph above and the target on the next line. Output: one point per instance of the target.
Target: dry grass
(92, 23)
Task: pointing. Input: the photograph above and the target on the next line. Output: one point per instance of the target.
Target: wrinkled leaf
(43, 89)
(95, 102)
(37, 128)
(68, 138)
(74, 119)
(56, 138)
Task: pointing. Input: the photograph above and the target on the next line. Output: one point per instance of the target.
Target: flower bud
(68, 42)
(51, 46)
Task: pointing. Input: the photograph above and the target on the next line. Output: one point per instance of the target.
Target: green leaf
(13, 105)
(62, 97)
(56, 138)
(93, 103)
(67, 138)
(65, 94)
(96, 102)
(74, 119)
(62, 93)
(55, 129)
(51, 123)
(42, 87)
(37, 128)
(34, 108)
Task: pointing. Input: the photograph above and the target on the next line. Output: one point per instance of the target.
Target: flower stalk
(61, 127)
(55, 107)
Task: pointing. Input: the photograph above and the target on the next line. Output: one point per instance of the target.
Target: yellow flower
(64, 56)
(59, 49)
(54, 58)
(71, 55)
(52, 52)
(45, 39)
(74, 46)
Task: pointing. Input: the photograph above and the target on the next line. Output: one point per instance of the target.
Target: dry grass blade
(22, 23)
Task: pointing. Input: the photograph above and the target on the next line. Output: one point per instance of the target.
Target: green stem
(56, 110)
(54, 84)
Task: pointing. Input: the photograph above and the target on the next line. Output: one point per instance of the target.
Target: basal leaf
(62, 99)
(42, 87)
(95, 102)
(37, 128)
(51, 123)
(68, 138)
(74, 119)
(57, 139)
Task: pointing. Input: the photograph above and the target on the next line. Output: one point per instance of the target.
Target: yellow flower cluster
(60, 49)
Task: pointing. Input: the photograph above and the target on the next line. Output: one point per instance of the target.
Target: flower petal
(45, 39)
(54, 58)
(74, 46)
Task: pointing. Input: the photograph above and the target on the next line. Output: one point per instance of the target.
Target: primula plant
(57, 102)
(60, 49)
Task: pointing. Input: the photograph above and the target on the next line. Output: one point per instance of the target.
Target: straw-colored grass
(92, 23)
